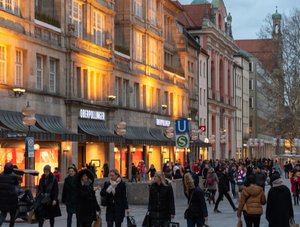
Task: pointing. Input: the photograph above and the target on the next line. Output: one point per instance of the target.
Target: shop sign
(161, 122)
(91, 114)
(182, 141)
(30, 146)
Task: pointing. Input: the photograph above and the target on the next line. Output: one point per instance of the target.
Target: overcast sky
(249, 15)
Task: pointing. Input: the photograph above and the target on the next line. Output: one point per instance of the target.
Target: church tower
(276, 18)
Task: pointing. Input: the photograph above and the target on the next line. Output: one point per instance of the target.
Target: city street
(226, 218)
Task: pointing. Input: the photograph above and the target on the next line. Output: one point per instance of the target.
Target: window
(166, 101)
(152, 12)
(125, 93)
(171, 103)
(158, 100)
(39, 72)
(12, 6)
(250, 66)
(251, 102)
(144, 98)
(2, 64)
(52, 75)
(138, 8)
(19, 68)
(118, 90)
(136, 96)
(99, 28)
(204, 97)
(152, 98)
(79, 77)
(153, 52)
(138, 36)
(251, 84)
(75, 17)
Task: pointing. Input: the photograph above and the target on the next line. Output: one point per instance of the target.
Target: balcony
(173, 70)
(47, 35)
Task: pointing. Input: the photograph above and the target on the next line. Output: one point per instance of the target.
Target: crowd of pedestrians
(243, 180)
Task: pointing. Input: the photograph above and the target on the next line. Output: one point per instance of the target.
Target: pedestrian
(211, 184)
(87, 202)
(251, 202)
(8, 194)
(279, 203)
(152, 171)
(196, 213)
(134, 172)
(105, 170)
(295, 187)
(161, 206)
(223, 187)
(57, 174)
(114, 191)
(167, 170)
(260, 177)
(47, 195)
(142, 170)
(70, 195)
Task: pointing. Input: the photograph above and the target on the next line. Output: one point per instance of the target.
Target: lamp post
(29, 120)
(121, 131)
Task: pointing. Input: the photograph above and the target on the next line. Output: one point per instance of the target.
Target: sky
(249, 15)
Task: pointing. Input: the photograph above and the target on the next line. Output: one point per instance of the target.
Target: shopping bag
(131, 221)
(98, 222)
(174, 224)
(146, 221)
(239, 223)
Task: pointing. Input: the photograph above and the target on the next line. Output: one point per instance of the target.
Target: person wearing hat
(279, 203)
(70, 195)
(8, 194)
(47, 195)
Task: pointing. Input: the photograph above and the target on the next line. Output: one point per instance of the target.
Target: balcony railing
(173, 70)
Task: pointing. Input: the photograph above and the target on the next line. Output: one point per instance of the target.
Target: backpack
(210, 180)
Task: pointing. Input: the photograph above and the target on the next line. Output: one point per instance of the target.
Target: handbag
(293, 223)
(46, 199)
(239, 223)
(98, 222)
(146, 221)
(131, 221)
(186, 212)
(103, 201)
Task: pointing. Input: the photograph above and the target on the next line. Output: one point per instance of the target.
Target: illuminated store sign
(91, 114)
(161, 122)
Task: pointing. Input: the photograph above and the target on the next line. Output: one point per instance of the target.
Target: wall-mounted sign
(91, 114)
(161, 122)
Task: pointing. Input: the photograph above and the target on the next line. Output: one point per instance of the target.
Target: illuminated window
(153, 52)
(39, 72)
(2, 64)
(12, 6)
(138, 8)
(75, 17)
(19, 68)
(52, 75)
(138, 42)
(152, 11)
(99, 28)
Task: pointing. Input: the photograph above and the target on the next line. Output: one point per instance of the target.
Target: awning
(140, 135)
(158, 134)
(97, 129)
(54, 124)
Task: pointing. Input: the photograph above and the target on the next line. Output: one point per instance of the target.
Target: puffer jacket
(252, 199)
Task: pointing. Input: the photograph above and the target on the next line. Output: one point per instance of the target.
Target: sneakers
(217, 211)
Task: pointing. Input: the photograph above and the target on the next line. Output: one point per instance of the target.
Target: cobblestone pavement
(226, 218)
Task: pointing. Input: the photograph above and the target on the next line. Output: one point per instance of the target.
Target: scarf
(112, 187)
(277, 182)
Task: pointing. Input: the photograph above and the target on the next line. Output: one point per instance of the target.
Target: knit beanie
(47, 168)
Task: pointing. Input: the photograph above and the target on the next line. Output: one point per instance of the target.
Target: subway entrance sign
(182, 140)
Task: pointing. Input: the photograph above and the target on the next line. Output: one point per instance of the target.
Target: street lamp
(121, 131)
(29, 120)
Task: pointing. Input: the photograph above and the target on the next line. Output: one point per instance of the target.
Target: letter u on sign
(182, 126)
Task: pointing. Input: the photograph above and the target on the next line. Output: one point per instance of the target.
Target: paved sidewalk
(226, 218)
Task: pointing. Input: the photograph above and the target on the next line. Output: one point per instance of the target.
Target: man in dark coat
(223, 187)
(48, 185)
(161, 205)
(279, 203)
(8, 194)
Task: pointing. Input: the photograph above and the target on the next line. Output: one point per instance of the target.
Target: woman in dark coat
(161, 205)
(48, 185)
(116, 199)
(70, 195)
(88, 205)
(197, 210)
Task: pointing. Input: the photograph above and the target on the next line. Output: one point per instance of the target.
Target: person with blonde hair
(115, 194)
(196, 213)
(161, 205)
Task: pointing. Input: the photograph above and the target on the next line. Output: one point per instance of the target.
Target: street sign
(30, 146)
(202, 128)
(182, 140)
(182, 126)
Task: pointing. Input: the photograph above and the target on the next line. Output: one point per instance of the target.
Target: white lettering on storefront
(161, 122)
(91, 114)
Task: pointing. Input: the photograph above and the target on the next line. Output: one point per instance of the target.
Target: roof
(194, 14)
(265, 50)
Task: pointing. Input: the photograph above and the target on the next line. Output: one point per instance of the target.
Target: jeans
(233, 191)
(111, 224)
(220, 197)
(69, 220)
(192, 222)
(12, 214)
(251, 221)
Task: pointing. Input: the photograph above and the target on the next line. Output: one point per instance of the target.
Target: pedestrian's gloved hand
(53, 202)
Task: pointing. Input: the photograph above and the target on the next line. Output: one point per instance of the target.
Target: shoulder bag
(186, 212)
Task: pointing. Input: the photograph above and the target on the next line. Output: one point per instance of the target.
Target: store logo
(161, 122)
(91, 114)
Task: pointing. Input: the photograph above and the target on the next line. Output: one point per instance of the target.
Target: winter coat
(87, 203)
(279, 205)
(117, 203)
(161, 201)
(70, 194)
(223, 184)
(215, 181)
(197, 208)
(152, 172)
(251, 201)
(49, 185)
(8, 192)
